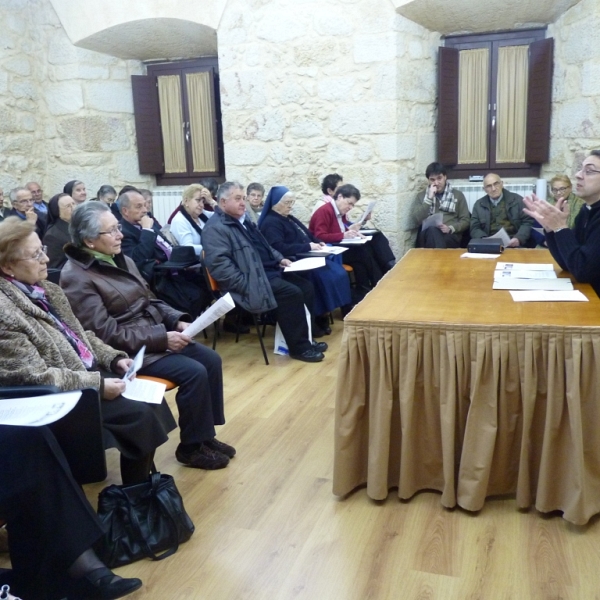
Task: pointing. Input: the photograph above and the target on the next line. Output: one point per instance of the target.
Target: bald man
(500, 208)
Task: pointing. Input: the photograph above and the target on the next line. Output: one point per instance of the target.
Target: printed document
(544, 296)
(432, 221)
(39, 410)
(210, 315)
(306, 264)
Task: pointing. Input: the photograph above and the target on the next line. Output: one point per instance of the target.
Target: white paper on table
(432, 221)
(562, 284)
(39, 410)
(368, 210)
(500, 235)
(136, 365)
(522, 274)
(357, 240)
(479, 255)
(144, 390)
(525, 266)
(306, 264)
(329, 250)
(546, 296)
(222, 306)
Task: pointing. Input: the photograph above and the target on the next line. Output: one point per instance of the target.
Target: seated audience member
(329, 223)
(242, 262)
(42, 343)
(143, 242)
(22, 207)
(3, 209)
(562, 190)
(290, 237)
(440, 197)
(255, 194)
(500, 209)
(52, 526)
(212, 185)
(188, 223)
(148, 197)
(328, 186)
(107, 194)
(207, 198)
(57, 235)
(76, 189)
(576, 250)
(40, 207)
(110, 297)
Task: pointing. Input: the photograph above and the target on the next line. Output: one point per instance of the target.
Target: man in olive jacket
(243, 263)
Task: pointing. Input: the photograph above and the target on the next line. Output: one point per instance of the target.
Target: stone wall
(65, 113)
(310, 88)
(576, 90)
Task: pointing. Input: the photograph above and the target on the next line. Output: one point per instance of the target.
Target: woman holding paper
(290, 237)
(42, 343)
(112, 299)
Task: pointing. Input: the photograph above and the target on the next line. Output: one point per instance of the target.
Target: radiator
(474, 191)
(164, 202)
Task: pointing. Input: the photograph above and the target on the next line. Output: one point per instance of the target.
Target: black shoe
(322, 322)
(102, 584)
(317, 332)
(230, 327)
(320, 346)
(310, 355)
(221, 447)
(203, 457)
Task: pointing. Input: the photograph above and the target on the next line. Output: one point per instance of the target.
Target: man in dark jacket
(500, 209)
(242, 262)
(575, 250)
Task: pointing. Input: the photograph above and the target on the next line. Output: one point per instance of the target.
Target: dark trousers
(433, 237)
(197, 371)
(292, 292)
(50, 522)
(382, 253)
(367, 271)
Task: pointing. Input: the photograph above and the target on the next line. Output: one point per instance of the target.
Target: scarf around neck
(447, 203)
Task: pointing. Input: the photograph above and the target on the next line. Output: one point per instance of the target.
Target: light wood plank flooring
(268, 527)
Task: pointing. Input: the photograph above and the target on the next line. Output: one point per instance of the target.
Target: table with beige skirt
(446, 384)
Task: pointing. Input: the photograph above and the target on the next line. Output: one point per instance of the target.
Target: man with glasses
(500, 209)
(575, 250)
(22, 207)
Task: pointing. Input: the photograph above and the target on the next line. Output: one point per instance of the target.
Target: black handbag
(142, 520)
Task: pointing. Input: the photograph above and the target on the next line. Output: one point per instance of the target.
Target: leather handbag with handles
(142, 520)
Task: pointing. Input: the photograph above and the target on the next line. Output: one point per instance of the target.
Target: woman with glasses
(111, 298)
(43, 343)
(57, 235)
(188, 223)
(562, 190)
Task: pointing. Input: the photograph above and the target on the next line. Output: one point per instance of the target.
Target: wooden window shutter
(447, 139)
(147, 124)
(539, 101)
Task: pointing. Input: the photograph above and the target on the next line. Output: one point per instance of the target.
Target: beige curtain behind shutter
(512, 104)
(473, 91)
(171, 121)
(202, 126)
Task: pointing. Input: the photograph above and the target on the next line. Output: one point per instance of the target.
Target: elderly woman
(110, 297)
(76, 189)
(188, 223)
(255, 194)
(43, 343)
(57, 235)
(561, 189)
(289, 236)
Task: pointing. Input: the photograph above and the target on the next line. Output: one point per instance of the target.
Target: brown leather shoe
(202, 457)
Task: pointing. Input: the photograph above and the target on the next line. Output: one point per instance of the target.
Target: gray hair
(85, 221)
(124, 199)
(13, 193)
(226, 188)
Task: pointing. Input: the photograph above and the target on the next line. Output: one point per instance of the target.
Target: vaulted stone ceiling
(469, 16)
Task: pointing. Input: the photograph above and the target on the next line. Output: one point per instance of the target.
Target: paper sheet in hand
(368, 210)
(432, 221)
(210, 315)
(136, 365)
(522, 274)
(562, 284)
(328, 250)
(502, 235)
(144, 390)
(37, 411)
(479, 255)
(525, 266)
(357, 240)
(306, 264)
(544, 296)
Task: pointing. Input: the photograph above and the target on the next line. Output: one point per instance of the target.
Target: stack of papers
(357, 240)
(534, 282)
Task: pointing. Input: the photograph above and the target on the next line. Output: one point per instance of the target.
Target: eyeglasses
(39, 255)
(489, 186)
(559, 190)
(30, 201)
(587, 171)
(114, 232)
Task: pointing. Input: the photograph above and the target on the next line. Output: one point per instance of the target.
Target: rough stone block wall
(65, 113)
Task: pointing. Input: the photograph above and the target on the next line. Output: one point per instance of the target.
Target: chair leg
(238, 321)
(260, 338)
(216, 333)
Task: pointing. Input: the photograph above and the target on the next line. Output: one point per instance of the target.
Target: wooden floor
(268, 526)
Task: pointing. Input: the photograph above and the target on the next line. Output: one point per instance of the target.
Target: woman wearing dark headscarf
(290, 237)
(57, 235)
(76, 189)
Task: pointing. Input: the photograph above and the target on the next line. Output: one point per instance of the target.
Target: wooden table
(448, 385)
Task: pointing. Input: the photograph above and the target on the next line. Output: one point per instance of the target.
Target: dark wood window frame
(147, 120)
(539, 100)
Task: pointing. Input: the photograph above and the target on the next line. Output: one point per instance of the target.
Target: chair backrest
(79, 433)
(210, 280)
